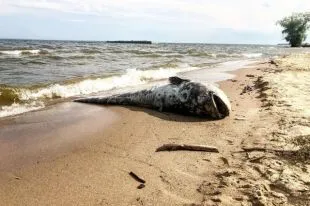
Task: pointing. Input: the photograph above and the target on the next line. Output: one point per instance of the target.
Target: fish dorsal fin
(177, 80)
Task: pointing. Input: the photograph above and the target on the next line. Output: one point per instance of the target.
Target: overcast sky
(207, 21)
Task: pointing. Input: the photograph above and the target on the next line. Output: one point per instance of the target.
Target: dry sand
(83, 158)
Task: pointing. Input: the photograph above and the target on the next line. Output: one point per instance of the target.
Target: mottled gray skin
(181, 96)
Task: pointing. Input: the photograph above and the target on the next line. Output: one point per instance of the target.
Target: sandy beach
(59, 157)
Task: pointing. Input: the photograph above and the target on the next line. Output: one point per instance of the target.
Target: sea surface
(36, 73)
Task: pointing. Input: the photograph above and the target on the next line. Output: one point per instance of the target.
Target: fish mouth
(222, 110)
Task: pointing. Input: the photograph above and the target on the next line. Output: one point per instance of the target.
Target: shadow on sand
(169, 116)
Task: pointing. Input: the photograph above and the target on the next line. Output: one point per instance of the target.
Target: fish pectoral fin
(177, 80)
(217, 113)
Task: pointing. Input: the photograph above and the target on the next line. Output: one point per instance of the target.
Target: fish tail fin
(144, 97)
(106, 100)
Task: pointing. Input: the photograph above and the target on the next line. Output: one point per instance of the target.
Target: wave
(223, 55)
(21, 52)
(174, 56)
(16, 108)
(132, 77)
(201, 54)
(91, 51)
(35, 62)
(252, 55)
(8, 95)
(141, 52)
(27, 98)
(214, 55)
(72, 57)
(154, 55)
(203, 65)
(174, 63)
(115, 52)
(79, 57)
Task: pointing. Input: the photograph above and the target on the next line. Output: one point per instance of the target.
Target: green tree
(295, 28)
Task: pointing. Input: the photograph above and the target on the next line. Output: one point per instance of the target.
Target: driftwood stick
(261, 149)
(175, 147)
(254, 149)
(136, 177)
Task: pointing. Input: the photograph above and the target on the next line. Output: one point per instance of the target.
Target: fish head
(213, 101)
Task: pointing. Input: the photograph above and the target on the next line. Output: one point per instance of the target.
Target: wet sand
(26, 139)
(83, 158)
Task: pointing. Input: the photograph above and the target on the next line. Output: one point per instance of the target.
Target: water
(34, 73)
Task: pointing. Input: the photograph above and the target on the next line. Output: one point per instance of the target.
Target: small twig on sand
(225, 160)
(141, 186)
(255, 149)
(257, 159)
(240, 118)
(136, 177)
(175, 147)
(273, 62)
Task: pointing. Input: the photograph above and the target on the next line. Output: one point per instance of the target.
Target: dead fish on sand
(180, 95)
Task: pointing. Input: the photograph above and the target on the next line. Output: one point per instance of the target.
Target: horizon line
(155, 42)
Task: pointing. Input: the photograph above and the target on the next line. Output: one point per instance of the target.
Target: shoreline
(94, 171)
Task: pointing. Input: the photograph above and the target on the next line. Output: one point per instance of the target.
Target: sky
(188, 21)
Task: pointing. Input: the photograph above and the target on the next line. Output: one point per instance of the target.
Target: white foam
(221, 55)
(252, 55)
(16, 108)
(19, 52)
(213, 55)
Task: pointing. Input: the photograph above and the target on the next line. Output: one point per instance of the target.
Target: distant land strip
(130, 42)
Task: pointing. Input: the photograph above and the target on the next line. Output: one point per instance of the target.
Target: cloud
(190, 15)
(238, 14)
